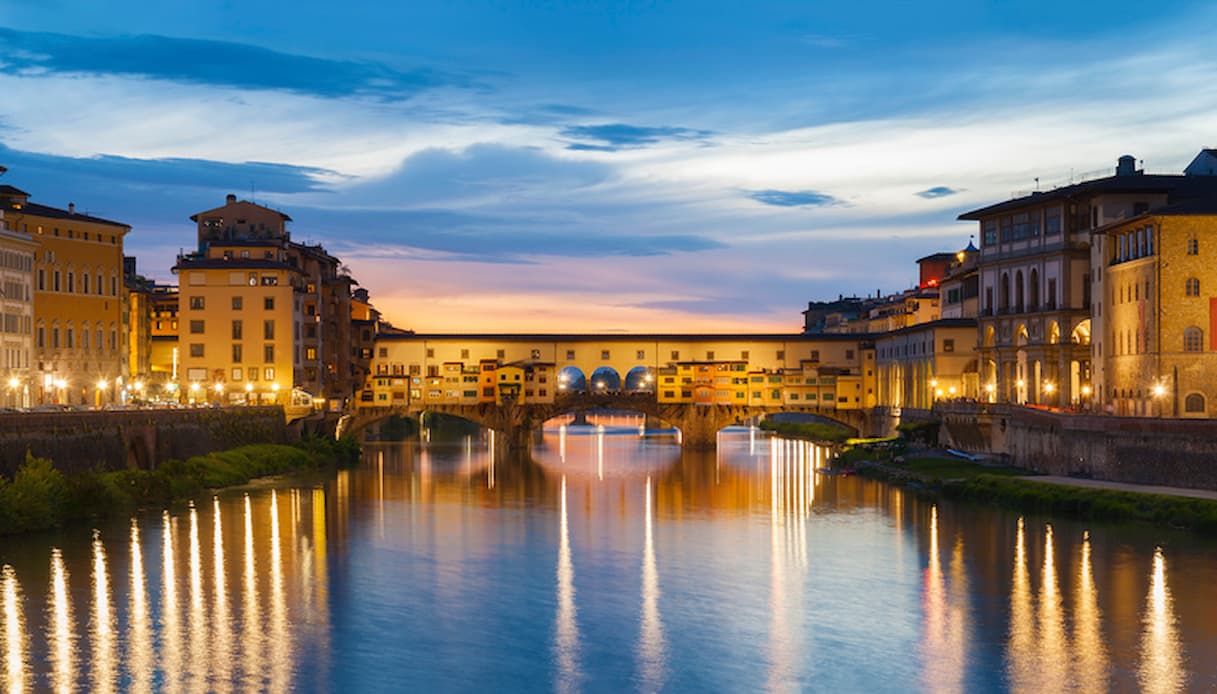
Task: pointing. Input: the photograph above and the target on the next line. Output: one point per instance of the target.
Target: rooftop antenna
(251, 191)
(1037, 184)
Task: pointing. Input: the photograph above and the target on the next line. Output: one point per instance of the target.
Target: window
(781, 355)
(236, 355)
(1192, 286)
(268, 303)
(948, 345)
(1193, 246)
(849, 354)
(55, 281)
(237, 330)
(71, 281)
(41, 280)
(269, 373)
(535, 354)
(237, 303)
(70, 338)
(197, 303)
(55, 337)
(268, 354)
(604, 354)
(84, 283)
(430, 353)
(237, 372)
(570, 354)
(990, 232)
(270, 280)
(501, 354)
(1193, 339)
(196, 349)
(268, 330)
(815, 355)
(196, 327)
(640, 355)
(1194, 402)
(675, 355)
(310, 353)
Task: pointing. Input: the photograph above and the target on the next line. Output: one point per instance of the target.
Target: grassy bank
(1015, 488)
(812, 431)
(40, 497)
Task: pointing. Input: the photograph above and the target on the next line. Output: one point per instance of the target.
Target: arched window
(1194, 403)
(1193, 339)
(1004, 292)
(1193, 286)
(1033, 293)
(1019, 292)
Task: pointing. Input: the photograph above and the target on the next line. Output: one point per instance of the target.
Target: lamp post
(274, 388)
(194, 392)
(249, 394)
(1159, 390)
(101, 393)
(13, 384)
(219, 389)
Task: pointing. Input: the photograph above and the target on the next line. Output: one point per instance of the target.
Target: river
(604, 561)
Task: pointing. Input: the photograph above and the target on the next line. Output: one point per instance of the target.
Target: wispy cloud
(793, 198)
(936, 192)
(610, 137)
(220, 63)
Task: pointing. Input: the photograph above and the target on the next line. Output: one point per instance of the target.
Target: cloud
(610, 137)
(219, 63)
(173, 172)
(793, 198)
(936, 192)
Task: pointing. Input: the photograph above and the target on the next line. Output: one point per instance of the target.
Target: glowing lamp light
(1159, 390)
(938, 393)
(991, 387)
(219, 387)
(1085, 390)
(274, 387)
(934, 383)
(138, 385)
(249, 387)
(1049, 387)
(61, 384)
(1021, 383)
(101, 385)
(14, 382)
(194, 387)
(951, 390)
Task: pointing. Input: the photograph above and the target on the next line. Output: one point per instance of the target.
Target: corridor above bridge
(823, 371)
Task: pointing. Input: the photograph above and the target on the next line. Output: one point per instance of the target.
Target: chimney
(71, 208)
(1126, 165)
(230, 199)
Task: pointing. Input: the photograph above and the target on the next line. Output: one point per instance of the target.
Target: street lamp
(249, 394)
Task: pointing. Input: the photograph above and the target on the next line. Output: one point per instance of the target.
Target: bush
(37, 496)
(920, 432)
(815, 431)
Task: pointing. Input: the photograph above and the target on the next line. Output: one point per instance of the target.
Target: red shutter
(1213, 323)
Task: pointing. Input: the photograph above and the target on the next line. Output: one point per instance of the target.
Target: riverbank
(958, 479)
(39, 496)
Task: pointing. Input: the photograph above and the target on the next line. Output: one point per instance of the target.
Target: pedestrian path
(1125, 487)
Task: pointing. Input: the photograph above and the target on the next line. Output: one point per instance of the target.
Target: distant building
(260, 313)
(1037, 279)
(1156, 344)
(17, 253)
(80, 340)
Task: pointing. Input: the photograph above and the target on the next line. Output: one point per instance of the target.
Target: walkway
(1124, 487)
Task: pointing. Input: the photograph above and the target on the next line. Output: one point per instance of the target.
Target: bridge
(516, 422)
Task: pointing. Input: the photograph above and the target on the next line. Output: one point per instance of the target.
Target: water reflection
(566, 628)
(61, 628)
(139, 629)
(101, 623)
(651, 654)
(1162, 658)
(742, 569)
(14, 631)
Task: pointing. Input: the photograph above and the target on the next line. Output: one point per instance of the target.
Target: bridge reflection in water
(745, 565)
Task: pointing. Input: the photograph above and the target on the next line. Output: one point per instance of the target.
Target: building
(80, 339)
(917, 365)
(1036, 284)
(164, 354)
(261, 314)
(959, 289)
(1155, 348)
(17, 253)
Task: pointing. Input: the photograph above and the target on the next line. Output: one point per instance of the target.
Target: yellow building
(923, 363)
(80, 341)
(16, 317)
(1156, 348)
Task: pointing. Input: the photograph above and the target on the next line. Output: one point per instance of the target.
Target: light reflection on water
(636, 566)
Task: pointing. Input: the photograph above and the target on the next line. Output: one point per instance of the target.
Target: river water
(604, 561)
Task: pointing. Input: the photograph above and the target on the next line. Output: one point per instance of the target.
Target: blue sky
(594, 166)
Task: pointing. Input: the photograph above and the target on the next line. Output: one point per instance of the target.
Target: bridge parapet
(698, 424)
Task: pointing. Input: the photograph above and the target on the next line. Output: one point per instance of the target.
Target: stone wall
(1141, 450)
(135, 438)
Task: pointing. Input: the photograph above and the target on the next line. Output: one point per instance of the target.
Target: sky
(546, 166)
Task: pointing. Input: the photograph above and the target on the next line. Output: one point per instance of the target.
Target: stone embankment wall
(1141, 450)
(135, 438)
